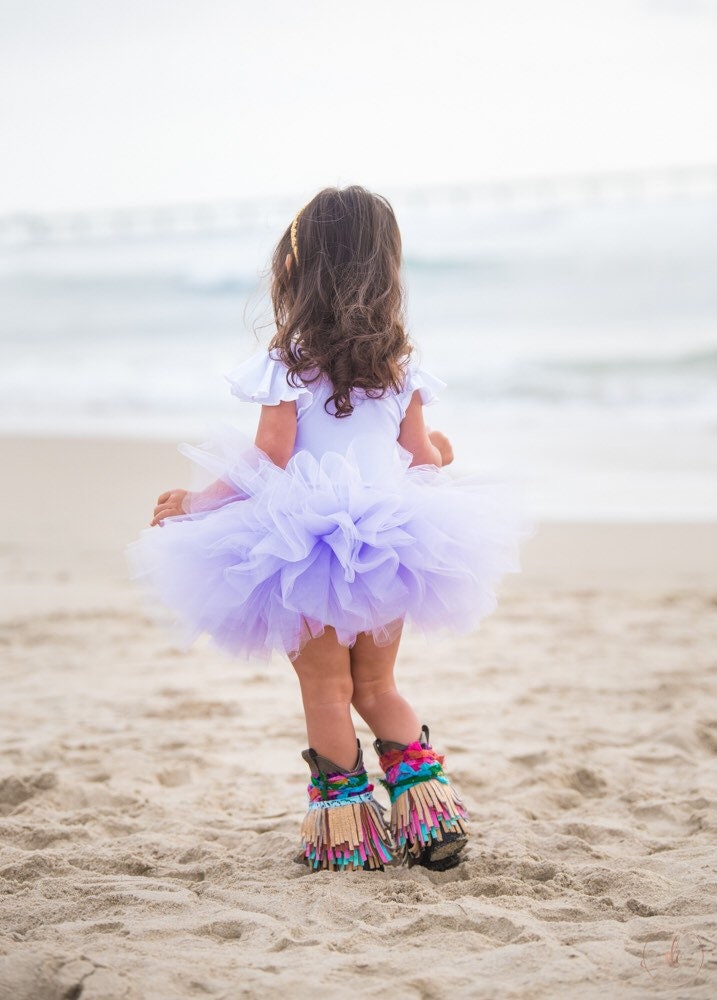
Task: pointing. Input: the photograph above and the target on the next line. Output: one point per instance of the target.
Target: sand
(150, 800)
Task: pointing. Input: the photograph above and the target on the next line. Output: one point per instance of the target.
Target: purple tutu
(341, 541)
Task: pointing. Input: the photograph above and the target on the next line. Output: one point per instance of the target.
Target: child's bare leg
(324, 671)
(375, 696)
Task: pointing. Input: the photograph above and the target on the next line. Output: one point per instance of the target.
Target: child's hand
(169, 504)
(440, 441)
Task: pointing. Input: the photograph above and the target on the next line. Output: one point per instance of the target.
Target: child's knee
(367, 693)
(329, 690)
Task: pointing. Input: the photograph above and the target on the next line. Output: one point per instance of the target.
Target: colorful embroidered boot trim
(428, 819)
(344, 827)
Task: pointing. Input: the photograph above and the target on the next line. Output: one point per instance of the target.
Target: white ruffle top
(262, 379)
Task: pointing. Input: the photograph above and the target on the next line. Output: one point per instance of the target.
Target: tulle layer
(274, 555)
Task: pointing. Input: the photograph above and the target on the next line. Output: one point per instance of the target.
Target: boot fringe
(425, 807)
(423, 812)
(346, 834)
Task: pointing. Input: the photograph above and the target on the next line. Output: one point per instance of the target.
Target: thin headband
(294, 242)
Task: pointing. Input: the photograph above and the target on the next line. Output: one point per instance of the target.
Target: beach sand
(150, 800)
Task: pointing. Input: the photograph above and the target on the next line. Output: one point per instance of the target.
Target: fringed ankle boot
(344, 827)
(428, 820)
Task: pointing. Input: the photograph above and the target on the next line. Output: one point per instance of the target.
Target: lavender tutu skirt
(346, 541)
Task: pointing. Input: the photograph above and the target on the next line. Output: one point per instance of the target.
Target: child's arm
(175, 503)
(276, 433)
(427, 447)
(275, 436)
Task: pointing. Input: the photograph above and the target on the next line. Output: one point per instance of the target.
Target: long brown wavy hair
(339, 310)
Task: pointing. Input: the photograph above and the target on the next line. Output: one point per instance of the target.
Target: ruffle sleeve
(428, 385)
(262, 379)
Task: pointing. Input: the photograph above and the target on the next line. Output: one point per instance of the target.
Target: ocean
(578, 336)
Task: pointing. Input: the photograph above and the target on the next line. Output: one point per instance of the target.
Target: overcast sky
(125, 102)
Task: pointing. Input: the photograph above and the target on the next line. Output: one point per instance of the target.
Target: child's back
(374, 423)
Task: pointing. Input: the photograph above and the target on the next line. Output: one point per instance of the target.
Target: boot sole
(442, 854)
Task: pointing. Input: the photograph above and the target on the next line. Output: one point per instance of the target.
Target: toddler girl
(334, 528)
